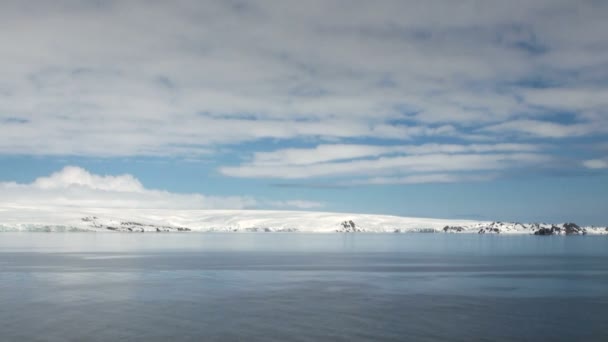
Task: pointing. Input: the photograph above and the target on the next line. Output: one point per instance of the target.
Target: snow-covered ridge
(53, 219)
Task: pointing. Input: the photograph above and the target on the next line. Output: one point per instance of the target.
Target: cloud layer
(354, 81)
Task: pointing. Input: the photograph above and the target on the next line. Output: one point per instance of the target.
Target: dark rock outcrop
(489, 230)
(544, 231)
(573, 228)
(349, 227)
(455, 229)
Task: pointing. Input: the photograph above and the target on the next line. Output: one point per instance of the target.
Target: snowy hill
(53, 219)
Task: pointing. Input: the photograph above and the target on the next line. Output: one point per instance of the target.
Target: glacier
(53, 219)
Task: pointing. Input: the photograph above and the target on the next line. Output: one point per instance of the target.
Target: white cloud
(426, 178)
(335, 152)
(428, 163)
(569, 99)
(76, 187)
(381, 164)
(72, 176)
(181, 77)
(546, 129)
(596, 164)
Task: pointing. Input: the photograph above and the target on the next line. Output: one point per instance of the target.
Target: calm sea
(302, 287)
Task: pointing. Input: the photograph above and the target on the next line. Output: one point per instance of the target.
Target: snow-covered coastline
(52, 219)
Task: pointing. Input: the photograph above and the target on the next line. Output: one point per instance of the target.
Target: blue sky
(489, 110)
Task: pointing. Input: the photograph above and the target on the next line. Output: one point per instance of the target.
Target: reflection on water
(156, 287)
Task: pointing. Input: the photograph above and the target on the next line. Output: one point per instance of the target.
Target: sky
(493, 110)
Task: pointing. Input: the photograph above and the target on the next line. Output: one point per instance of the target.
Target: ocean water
(302, 287)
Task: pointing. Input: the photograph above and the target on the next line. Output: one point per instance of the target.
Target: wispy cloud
(333, 161)
(426, 178)
(596, 164)
(546, 129)
(335, 152)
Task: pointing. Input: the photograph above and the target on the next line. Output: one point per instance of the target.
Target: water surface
(302, 287)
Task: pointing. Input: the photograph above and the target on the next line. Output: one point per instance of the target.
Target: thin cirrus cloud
(545, 129)
(197, 78)
(76, 187)
(426, 178)
(596, 164)
(333, 152)
(404, 164)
